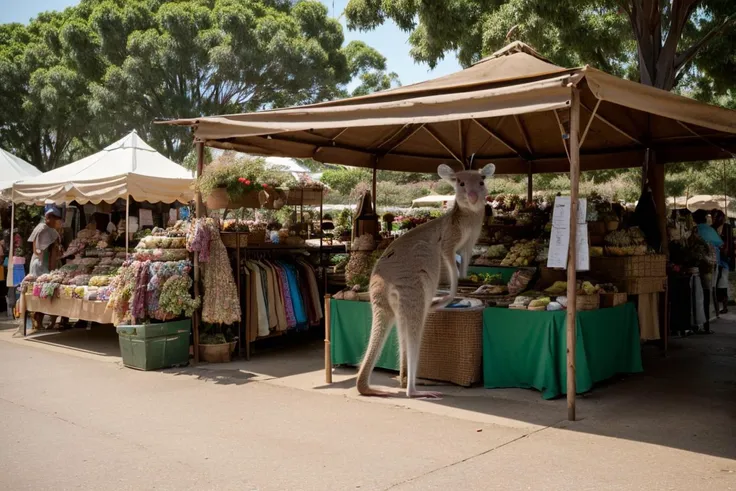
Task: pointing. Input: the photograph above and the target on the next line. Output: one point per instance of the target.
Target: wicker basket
(640, 286)
(232, 240)
(305, 196)
(216, 353)
(452, 347)
(219, 200)
(257, 237)
(613, 299)
(588, 302)
(623, 268)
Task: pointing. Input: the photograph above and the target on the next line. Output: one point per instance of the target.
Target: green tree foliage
(656, 42)
(345, 180)
(72, 81)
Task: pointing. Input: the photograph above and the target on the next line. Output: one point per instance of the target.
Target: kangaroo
(406, 277)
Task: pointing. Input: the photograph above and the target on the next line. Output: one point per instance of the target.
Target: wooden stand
(328, 342)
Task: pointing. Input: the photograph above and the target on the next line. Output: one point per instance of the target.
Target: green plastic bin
(155, 346)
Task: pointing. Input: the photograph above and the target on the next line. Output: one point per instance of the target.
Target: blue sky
(387, 39)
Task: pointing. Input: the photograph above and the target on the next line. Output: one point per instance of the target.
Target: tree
(75, 80)
(654, 41)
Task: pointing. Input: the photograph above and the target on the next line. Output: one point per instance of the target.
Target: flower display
(175, 298)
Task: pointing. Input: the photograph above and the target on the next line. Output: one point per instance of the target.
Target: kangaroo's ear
(446, 172)
(488, 170)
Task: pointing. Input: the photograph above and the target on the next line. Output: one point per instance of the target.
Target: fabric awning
(127, 167)
(14, 169)
(510, 109)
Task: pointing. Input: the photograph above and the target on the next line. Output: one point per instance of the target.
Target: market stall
(123, 174)
(514, 109)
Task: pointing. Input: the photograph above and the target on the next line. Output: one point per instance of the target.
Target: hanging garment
(281, 323)
(220, 304)
(648, 311)
(273, 321)
(286, 294)
(296, 298)
(263, 329)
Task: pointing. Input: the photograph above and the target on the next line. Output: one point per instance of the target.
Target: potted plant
(214, 346)
(233, 181)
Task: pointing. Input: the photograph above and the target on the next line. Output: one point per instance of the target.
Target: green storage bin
(155, 346)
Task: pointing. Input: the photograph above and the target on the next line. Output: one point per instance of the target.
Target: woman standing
(46, 251)
(726, 252)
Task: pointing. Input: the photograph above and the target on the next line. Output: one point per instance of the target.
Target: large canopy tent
(515, 109)
(14, 169)
(128, 168)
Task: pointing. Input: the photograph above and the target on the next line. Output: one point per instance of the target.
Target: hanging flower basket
(219, 199)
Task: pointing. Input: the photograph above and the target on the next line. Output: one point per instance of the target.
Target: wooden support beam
(443, 145)
(529, 184)
(587, 126)
(604, 120)
(392, 136)
(403, 140)
(328, 341)
(524, 134)
(334, 138)
(198, 214)
(572, 251)
(502, 141)
(461, 137)
(562, 134)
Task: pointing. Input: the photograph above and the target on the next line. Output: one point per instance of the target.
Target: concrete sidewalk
(77, 419)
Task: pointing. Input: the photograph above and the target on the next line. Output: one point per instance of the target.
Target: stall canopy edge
(511, 109)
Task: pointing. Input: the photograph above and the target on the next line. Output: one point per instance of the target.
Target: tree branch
(683, 58)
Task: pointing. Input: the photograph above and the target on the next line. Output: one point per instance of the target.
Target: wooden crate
(640, 286)
(613, 299)
(615, 269)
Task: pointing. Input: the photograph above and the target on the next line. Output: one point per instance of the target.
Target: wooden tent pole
(373, 188)
(572, 251)
(127, 225)
(328, 341)
(529, 184)
(198, 215)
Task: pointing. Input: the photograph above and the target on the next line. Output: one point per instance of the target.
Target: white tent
(13, 169)
(127, 168)
(433, 199)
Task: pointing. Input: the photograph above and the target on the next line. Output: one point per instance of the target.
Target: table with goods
(146, 294)
(507, 326)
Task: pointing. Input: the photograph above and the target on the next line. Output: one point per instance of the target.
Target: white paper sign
(559, 244)
(146, 217)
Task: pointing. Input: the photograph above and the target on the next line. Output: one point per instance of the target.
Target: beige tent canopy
(510, 109)
(128, 167)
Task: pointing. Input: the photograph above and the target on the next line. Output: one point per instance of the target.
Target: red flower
(241, 179)
(264, 185)
(247, 182)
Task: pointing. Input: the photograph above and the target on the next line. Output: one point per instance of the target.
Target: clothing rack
(275, 258)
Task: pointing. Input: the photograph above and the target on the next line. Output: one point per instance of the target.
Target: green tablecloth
(520, 348)
(528, 349)
(505, 271)
(351, 327)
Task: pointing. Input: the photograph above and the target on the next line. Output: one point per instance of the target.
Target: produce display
(522, 253)
(629, 242)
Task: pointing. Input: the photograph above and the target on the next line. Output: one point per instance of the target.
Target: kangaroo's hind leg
(410, 325)
(383, 319)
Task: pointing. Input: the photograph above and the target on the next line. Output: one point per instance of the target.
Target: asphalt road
(67, 422)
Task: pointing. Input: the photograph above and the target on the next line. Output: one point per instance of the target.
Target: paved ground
(71, 417)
